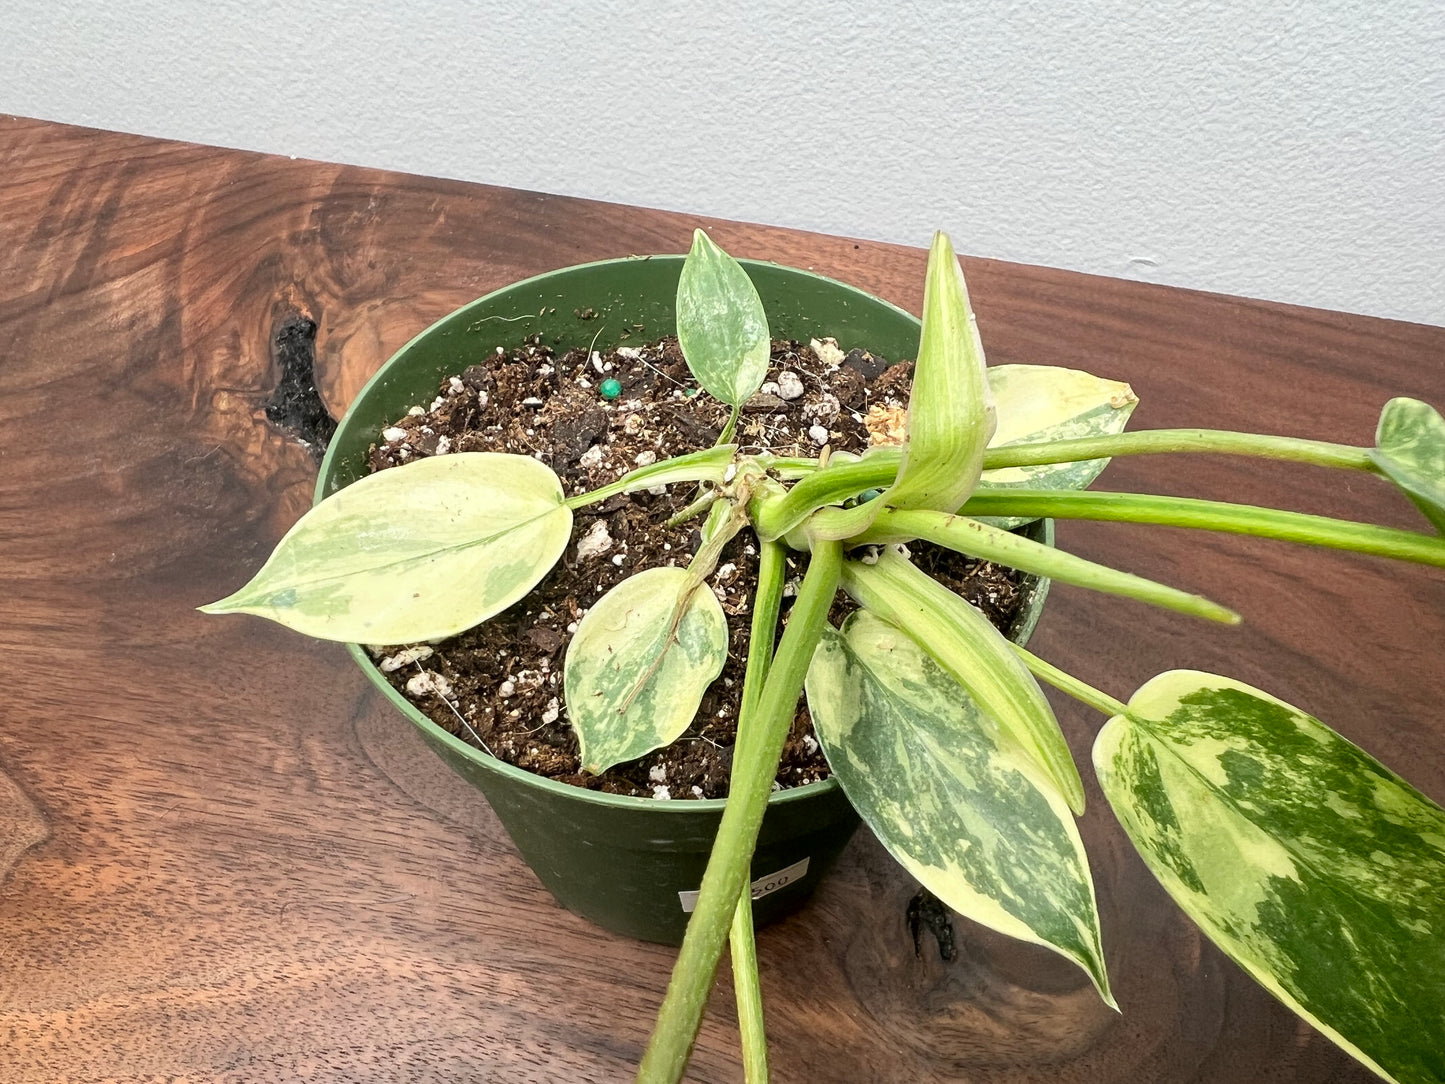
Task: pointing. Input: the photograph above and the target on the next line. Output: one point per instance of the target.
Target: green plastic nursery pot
(628, 864)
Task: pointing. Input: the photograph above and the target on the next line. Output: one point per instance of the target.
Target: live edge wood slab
(223, 858)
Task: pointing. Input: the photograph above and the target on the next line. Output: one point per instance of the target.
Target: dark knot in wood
(295, 407)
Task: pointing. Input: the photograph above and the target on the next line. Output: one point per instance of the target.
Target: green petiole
(754, 766)
(993, 544)
(1066, 683)
(1212, 516)
(1152, 441)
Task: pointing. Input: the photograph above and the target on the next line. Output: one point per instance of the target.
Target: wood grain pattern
(253, 872)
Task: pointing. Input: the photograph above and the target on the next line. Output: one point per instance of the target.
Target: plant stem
(1150, 441)
(992, 544)
(1067, 683)
(1211, 516)
(727, 433)
(821, 486)
(755, 765)
(707, 465)
(748, 991)
(747, 988)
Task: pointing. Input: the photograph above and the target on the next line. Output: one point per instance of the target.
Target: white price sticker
(761, 887)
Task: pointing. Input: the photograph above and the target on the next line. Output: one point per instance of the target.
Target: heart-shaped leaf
(638, 665)
(417, 552)
(721, 326)
(1410, 451)
(963, 811)
(1320, 871)
(1038, 404)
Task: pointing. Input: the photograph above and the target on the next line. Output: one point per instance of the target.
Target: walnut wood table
(223, 858)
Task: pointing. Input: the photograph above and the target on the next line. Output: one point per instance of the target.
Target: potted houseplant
(1316, 868)
(631, 864)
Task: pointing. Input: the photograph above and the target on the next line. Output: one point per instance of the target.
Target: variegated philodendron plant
(1315, 867)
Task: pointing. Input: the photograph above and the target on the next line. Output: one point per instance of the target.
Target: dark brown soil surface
(499, 685)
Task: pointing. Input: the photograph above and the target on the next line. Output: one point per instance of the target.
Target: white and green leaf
(417, 552)
(1410, 451)
(1040, 404)
(959, 805)
(975, 654)
(1316, 868)
(721, 325)
(950, 410)
(639, 663)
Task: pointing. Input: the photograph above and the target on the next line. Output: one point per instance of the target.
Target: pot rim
(484, 760)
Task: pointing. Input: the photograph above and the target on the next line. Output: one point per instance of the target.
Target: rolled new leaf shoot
(638, 665)
(418, 552)
(950, 409)
(962, 808)
(721, 326)
(1410, 452)
(1316, 868)
(1043, 404)
(974, 653)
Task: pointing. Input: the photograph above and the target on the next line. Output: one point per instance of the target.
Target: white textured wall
(1292, 151)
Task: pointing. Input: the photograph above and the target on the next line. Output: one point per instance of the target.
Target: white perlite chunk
(631, 353)
(661, 793)
(507, 688)
(405, 657)
(444, 445)
(429, 681)
(819, 434)
(554, 709)
(592, 457)
(828, 352)
(595, 542)
(393, 435)
(657, 773)
(790, 385)
(646, 459)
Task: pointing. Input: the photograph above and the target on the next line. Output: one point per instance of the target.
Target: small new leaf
(1320, 871)
(1410, 452)
(637, 667)
(721, 326)
(959, 808)
(417, 552)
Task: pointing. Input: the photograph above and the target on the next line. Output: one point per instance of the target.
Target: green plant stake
(1313, 866)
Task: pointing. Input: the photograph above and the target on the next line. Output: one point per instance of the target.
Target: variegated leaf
(721, 326)
(1320, 871)
(963, 811)
(973, 653)
(1410, 451)
(950, 410)
(1042, 403)
(637, 666)
(417, 552)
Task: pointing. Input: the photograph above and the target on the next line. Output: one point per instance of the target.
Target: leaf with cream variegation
(1320, 871)
(1410, 451)
(1039, 404)
(962, 808)
(417, 552)
(721, 325)
(637, 666)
